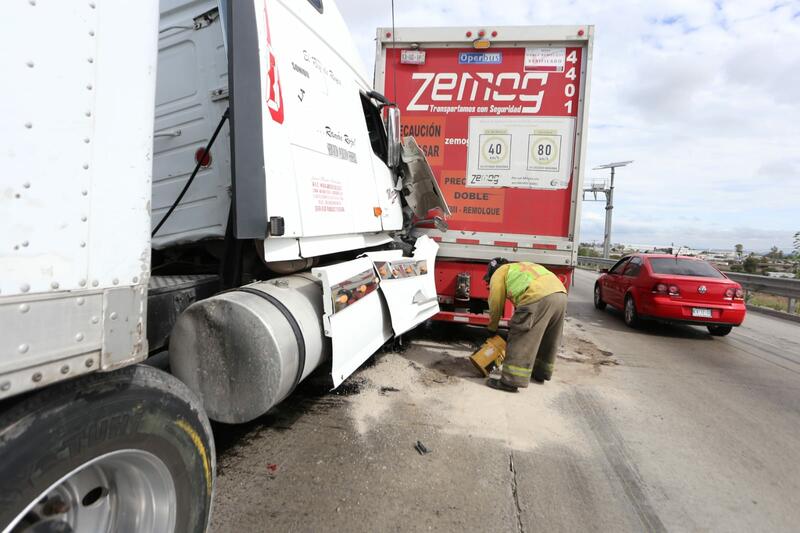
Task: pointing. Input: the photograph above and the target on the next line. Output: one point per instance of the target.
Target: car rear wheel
(598, 298)
(630, 313)
(719, 331)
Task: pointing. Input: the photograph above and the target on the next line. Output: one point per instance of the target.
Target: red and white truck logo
(273, 81)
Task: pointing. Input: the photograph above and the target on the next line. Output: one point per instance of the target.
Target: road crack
(515, 493)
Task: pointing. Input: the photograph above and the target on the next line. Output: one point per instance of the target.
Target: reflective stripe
(518, 371)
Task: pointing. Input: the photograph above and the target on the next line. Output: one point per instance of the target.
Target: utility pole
(608, 191)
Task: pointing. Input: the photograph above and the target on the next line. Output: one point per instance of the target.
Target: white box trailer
(256, 223)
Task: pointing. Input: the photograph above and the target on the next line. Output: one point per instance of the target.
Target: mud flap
(369, 299)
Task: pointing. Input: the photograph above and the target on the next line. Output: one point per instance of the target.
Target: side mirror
(393, 137)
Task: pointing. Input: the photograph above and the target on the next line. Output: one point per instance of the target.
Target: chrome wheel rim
(597, 295)
(629, 310)
(125, 490)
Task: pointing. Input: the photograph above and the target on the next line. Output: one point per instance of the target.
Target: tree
(775, 253)
(797, 243)
(587, 251)
(750, 264)
(739, 251)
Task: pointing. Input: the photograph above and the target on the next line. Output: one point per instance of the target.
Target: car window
(617, 269)
(634, 267)
(684, 267)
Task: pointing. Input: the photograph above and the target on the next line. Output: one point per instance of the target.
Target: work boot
(499, 385)
(539, 377)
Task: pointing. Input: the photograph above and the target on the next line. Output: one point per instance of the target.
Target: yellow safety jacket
(522, 283)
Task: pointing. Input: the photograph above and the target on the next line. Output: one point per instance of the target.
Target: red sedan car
(671, 288)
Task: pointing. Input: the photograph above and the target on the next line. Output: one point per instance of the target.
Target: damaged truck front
(256, 225)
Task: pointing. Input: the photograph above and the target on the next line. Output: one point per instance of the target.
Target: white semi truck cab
(212, 187)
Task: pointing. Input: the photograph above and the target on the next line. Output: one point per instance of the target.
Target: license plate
(700, 312)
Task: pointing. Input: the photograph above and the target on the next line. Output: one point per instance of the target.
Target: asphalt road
(663, 428)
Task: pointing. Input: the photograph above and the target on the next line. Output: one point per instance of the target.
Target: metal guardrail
(788, 288)
(595, 261)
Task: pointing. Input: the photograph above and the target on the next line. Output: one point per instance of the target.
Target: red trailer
(501, 115)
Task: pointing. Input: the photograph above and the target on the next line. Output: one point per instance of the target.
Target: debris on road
(421, 448)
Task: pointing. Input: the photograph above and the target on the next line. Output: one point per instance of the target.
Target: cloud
(701, 94)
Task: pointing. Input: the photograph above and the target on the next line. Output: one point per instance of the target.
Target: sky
(703, 96)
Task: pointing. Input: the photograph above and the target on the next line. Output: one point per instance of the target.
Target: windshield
(684, 267)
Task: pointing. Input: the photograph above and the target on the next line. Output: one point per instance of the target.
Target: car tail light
(661, 288)
(674, 291)
(739, 294)
(729, 292)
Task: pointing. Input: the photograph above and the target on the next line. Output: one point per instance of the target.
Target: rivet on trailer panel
(91, 33)
(90, 59)
(29, 64)
(37, 377)
(115, 281)
(80, 301)
(26, 185)
(78, 337)
(82, 282)
(23, 348)
(28, 125)
(5, 386)
(95, 320)
(83, 218)
(24, 287)
(88, 88)
(113, 315)
(83, 244)
(84, 192)
(54, 285)
(95, 283)
(88, 114)
(91, 4)
(89, 363)
(24, 308)
(86, 140)
(25, 244)
(32, 2)
(86, 165)
(65, 369)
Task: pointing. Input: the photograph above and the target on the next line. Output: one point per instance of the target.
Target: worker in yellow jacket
(540, 303)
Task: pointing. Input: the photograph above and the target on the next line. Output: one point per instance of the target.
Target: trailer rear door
(503, 130)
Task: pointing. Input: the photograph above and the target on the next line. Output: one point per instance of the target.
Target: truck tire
(129, 450)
